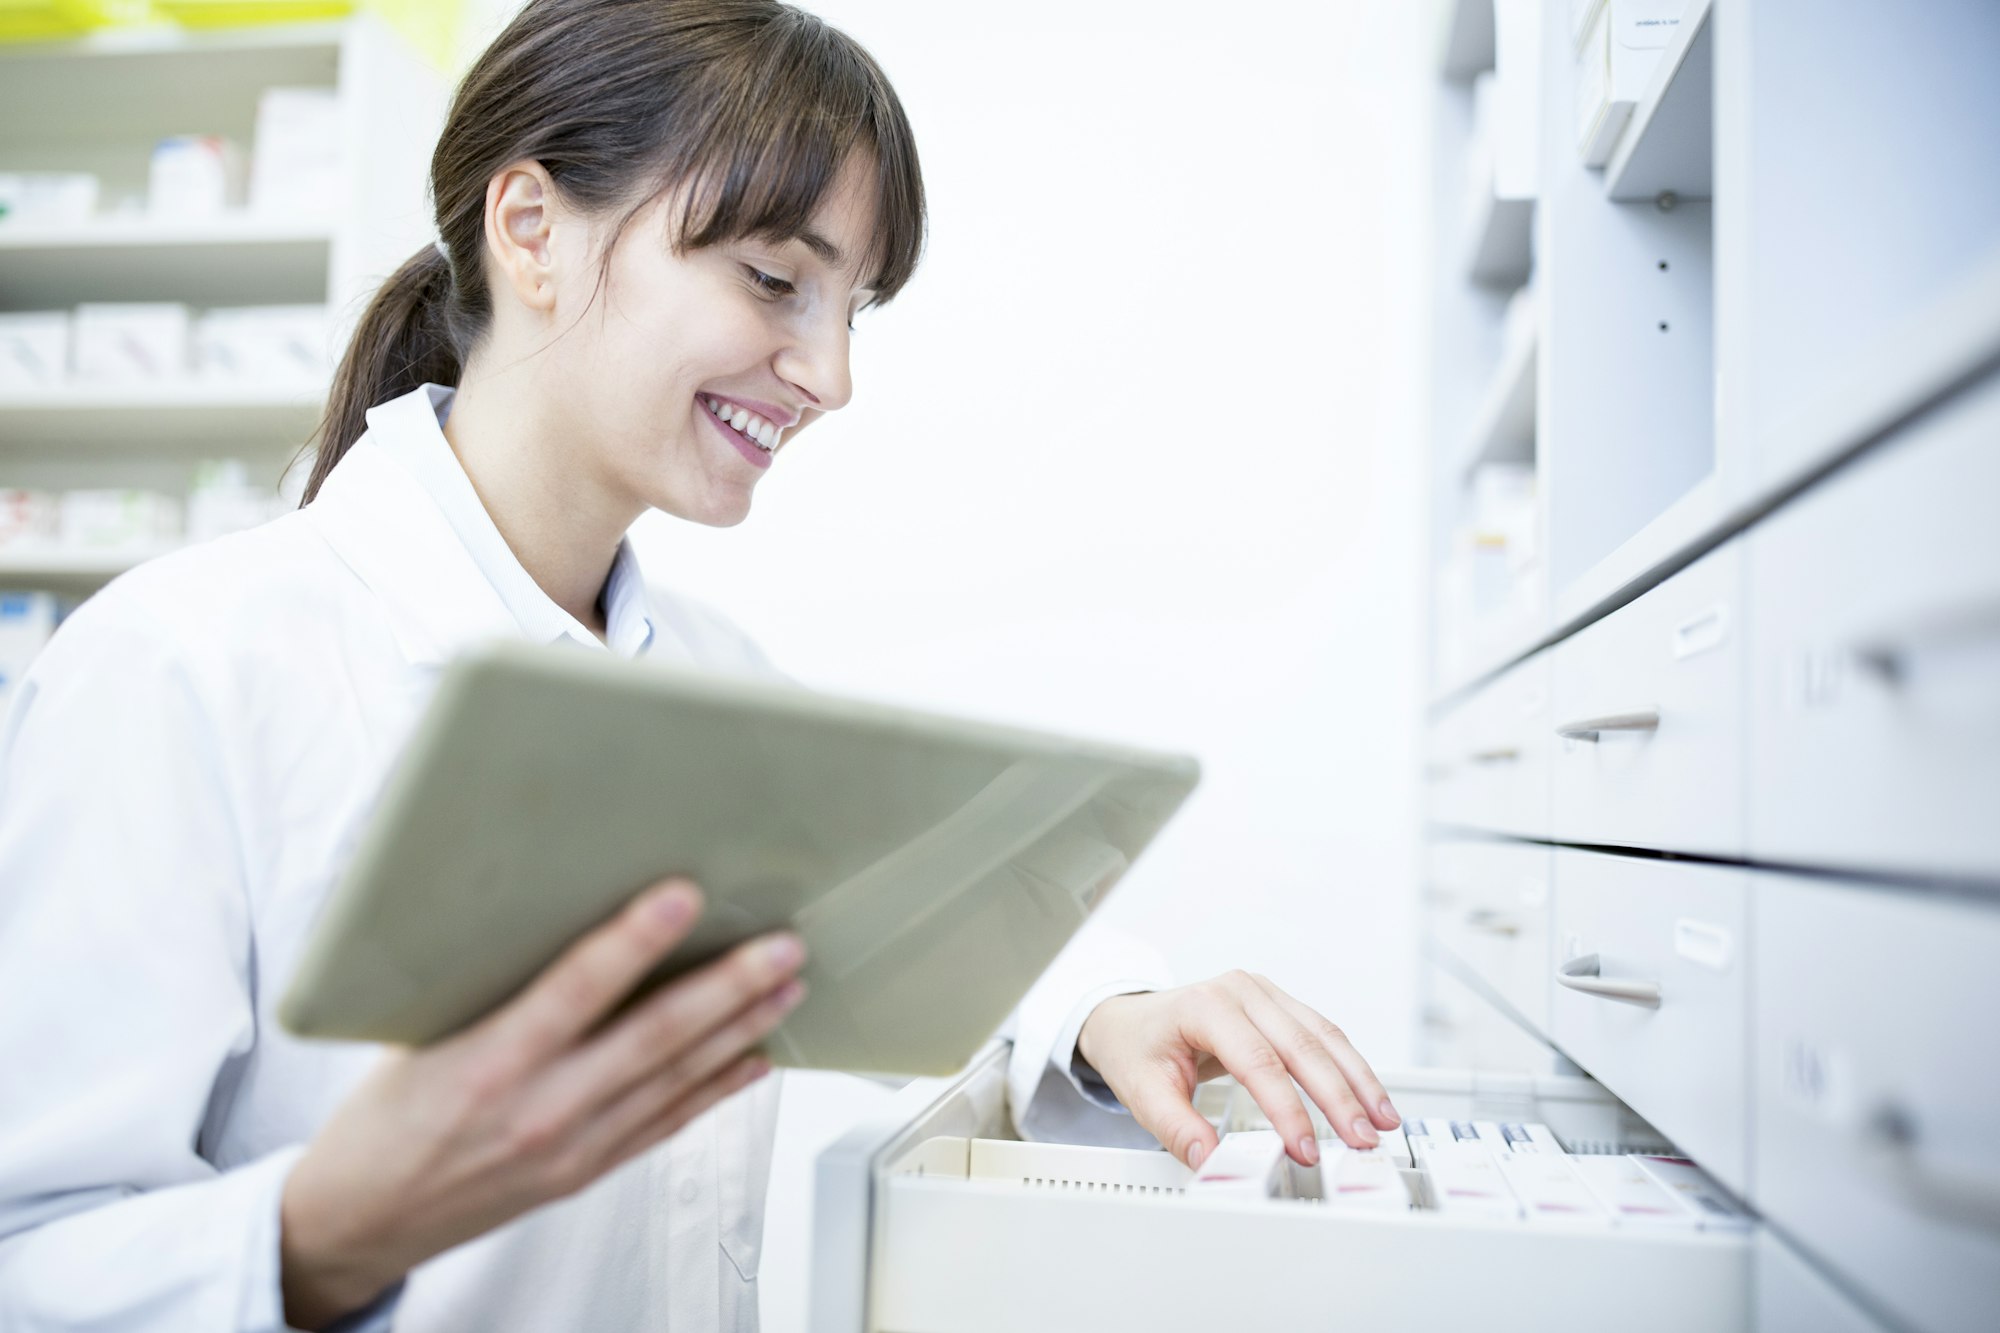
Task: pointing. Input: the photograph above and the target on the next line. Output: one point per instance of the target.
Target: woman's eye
(775, 286)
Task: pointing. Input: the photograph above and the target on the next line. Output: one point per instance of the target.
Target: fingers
(1163, 1104)
(720, 1051)
(1360, 1078)
(663, 1030)
(670, 1119)
(1301, 1044)
(573, 993)
(1258, 1064)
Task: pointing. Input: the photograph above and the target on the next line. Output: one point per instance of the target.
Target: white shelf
(1499, 243)
(1503, 429)
(217, 417)
(72, 571)
(1668, 147)
(233, 260)
(1465, 38)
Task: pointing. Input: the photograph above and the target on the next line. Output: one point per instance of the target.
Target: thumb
(1166, 1111)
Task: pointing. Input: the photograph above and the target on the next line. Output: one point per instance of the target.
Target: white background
(1138, 454)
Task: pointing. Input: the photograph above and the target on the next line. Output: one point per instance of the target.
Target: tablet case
(933, 865)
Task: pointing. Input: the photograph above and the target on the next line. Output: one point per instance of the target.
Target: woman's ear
(520, 208)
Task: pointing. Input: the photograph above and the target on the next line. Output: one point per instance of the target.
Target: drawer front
(1506, 754)
(1875, 658)
(1793, 1298)
(1876, 1091)
(1489, 907)
(1679, 929)
(1664, 678)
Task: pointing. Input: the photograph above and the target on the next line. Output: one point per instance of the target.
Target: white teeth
(760, 431)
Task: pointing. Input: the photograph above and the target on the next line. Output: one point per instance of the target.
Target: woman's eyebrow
(826, 251)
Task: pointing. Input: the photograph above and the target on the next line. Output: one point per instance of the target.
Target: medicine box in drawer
(1875, 1088)
(1875, 657)
(1650, 994)
(924, 1225)
(1648, 718)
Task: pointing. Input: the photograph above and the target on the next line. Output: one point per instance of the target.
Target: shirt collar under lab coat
(400, 512)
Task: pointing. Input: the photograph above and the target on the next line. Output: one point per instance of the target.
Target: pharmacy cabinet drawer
(1463, 1028)
(1449, 798)
(1877, 1092)
(1650, 994)
(1875, 658)
(1648, 718)
(1792, 1297)
(1488, 906)
(1506, 752)
(929, 1220)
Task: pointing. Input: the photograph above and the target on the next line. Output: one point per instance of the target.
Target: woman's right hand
(446, 1142)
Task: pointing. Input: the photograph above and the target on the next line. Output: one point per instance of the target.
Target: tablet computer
(933, 865)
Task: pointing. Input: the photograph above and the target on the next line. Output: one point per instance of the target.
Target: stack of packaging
(155, 343)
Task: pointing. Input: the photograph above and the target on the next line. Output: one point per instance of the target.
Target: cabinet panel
(1489, 907)
(1648, 718)
(1793, 1298)
(1874, 1090)
(1651, 962)
(1875, 658)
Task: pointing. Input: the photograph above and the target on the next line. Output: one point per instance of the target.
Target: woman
(657, 217)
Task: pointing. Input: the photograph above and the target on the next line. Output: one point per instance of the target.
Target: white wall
(1138, 454)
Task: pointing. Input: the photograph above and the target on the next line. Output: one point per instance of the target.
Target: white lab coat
(183, 771)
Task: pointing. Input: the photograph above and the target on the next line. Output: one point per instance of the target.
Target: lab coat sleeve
(126, 963)
(1051, 1094)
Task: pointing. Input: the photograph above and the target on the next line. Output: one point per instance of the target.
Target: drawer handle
(1958, 1195)
(1499, 754)
(1641, 719)
(1582, 974)
(1490, 922)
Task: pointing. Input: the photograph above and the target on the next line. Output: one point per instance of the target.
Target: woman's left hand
(1151, 1049)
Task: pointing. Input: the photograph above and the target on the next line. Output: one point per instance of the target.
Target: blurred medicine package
(47, 198)
(223, 500)
(117, 520)
(27, 619)
(287, 344)
(27, 519)
(295, 162)
(34, 349)
(126, 344)
(194, 176)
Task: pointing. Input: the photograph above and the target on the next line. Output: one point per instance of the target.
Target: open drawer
(929, 1221)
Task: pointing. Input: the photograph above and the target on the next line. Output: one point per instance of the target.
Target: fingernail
(1389, 1113)
(1195, 1154)
(784, 951)
(1308, 1150)
(1365, 1131)
(789, 994)
(671, 906)
(755, 1070)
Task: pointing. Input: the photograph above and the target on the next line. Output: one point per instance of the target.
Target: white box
(285, 344)
(1700, 1195)
(1534, 1139)
(34, 349)
(100, 520)
(1633, 1197)
(48, 198)
(27, 619)
(296, 167)
(1465, 1178)
(27, 519)
(194, 176)
(1362, 1179)
(143, 343)
(1551, 1191)
(1248, 1164)
(1613, 66)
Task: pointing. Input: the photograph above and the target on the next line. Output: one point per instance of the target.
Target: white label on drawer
(1700, 633)
(1814, 1078)
(1700, 942)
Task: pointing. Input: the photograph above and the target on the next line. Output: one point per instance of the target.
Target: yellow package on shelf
(25, 20)
(246, 13)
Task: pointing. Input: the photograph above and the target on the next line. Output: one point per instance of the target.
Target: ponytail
(404, 339)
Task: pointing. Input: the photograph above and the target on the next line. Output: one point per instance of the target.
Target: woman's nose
(817, 363)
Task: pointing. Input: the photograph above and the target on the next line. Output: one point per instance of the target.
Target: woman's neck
(563, 526)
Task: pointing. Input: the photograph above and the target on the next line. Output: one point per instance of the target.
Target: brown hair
(753, 104)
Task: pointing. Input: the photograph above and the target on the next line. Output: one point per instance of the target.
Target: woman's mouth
(752, 450)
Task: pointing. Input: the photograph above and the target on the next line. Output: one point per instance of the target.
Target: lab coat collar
(400, 512)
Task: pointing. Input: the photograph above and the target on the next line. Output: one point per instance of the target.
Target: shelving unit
(1760, 708)
(98, 104)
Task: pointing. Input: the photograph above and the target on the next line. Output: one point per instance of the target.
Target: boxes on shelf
(296, 167)
(127, 344)
(27, 519)
(34, 349)
(27, 620)
(116, 520)
(47, 198)
(1615, 61)
(194, 176)
(223, 501)
(286, 344)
